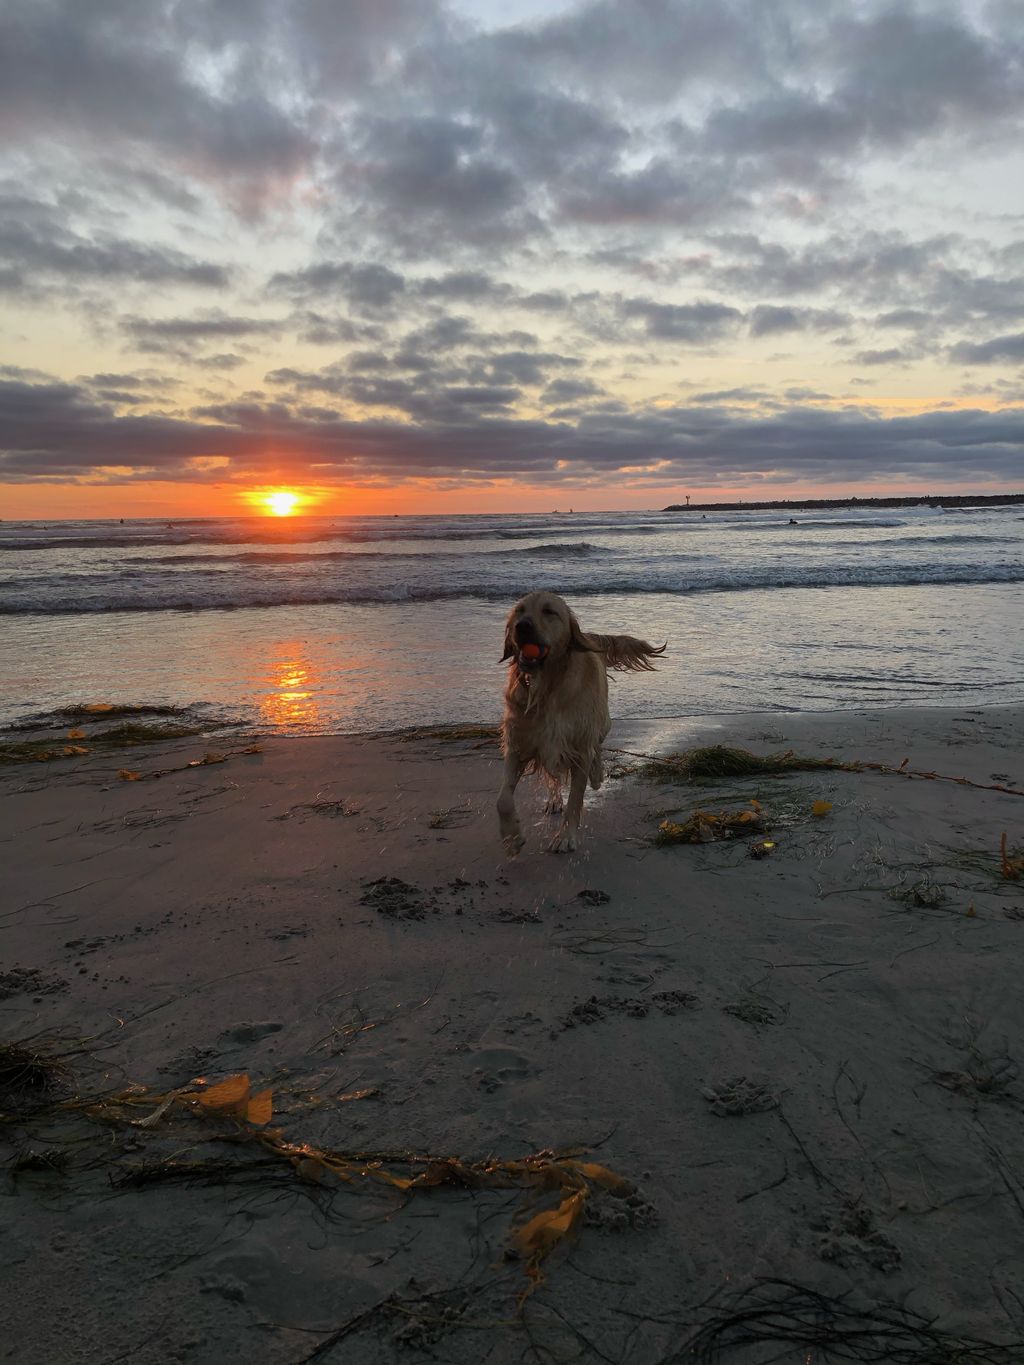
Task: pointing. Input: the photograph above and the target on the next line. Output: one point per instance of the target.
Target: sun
(276, 501)
(282, 503)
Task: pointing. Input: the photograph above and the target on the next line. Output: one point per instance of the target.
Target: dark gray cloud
(907, 319)
(39, 250)
(460, 368)
(1006, 349)
(464, 286)
(181, 336)
(366, 285)
(431, 178)
(868, 264)
(570, 391)
(57, 430)
(694, 324)
(771, 319)
(647, 52)
(728, 397)
(326, 329)
(892, 355)
(660, 193)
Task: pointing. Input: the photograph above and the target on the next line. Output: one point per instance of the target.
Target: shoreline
(337, 919)
(60, 717)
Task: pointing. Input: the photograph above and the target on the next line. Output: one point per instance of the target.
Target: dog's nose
(525, 632)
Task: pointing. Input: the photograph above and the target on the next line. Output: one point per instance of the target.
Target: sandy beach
(803, 1063)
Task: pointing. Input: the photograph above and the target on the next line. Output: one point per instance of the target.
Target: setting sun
(282, 503)
(276, 501)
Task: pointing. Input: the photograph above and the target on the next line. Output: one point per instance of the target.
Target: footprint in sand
(251, 1031)
(738, 1096)
(523, 1023)
(850, 1236)
(501, 1066)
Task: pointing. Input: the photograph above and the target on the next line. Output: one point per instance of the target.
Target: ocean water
(313, 625)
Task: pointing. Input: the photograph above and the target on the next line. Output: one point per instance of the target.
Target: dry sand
(864, 979)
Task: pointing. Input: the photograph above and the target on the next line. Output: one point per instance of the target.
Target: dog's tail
(624, 653)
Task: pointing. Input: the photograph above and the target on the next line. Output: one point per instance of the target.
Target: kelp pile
(233, 1120)
(718, 761)
(135, 725)
(721, 761)
(708, 827)
(705, 827)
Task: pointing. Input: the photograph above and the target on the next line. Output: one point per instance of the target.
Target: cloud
(661, 193)
(366, 285)
(892, 355)
(570, 391)
(1005, 349)
(692, 323)
(427, 175)
(463, 286)
(38, 249)
(180, 336)
(57, 430)
(108, 75)
(772, 319)
(868, 264)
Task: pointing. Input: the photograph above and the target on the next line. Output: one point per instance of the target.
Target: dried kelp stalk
(30, 1074)
(486, 735)
(230, 1112)
(807, 1325)
(720, 761)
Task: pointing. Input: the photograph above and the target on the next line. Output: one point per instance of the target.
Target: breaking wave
(145, 590)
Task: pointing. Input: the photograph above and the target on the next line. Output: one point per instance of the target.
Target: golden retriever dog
(556, 708)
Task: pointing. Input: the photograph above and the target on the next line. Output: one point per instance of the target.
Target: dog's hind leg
(508, 820)
(553, 805)
(565, 840)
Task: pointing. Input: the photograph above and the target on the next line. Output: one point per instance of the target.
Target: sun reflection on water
(292, 700)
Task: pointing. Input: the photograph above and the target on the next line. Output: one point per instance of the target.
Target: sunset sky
(398, 256)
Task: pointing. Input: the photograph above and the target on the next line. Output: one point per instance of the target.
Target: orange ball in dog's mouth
(532, 654)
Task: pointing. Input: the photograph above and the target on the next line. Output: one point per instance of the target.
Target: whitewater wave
(293, 535)
(819, 523)
(82, 594)
(569, 550)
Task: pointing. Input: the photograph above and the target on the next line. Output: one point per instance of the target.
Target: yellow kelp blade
(602, 1176)
(230, 1096)
(537, 1238)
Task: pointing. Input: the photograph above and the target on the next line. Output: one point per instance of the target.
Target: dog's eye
(550, 611)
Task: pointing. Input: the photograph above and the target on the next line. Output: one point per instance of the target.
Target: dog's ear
(510, 644)
(625, 653)
(578, 637)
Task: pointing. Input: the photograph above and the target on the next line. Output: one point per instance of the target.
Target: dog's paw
(563, 842)
(513, 842)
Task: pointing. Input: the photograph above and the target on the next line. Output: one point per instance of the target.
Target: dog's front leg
(553, 805)
(565, 840)
(508, 820)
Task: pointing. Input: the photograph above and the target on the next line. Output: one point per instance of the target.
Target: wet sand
(803, 1063)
